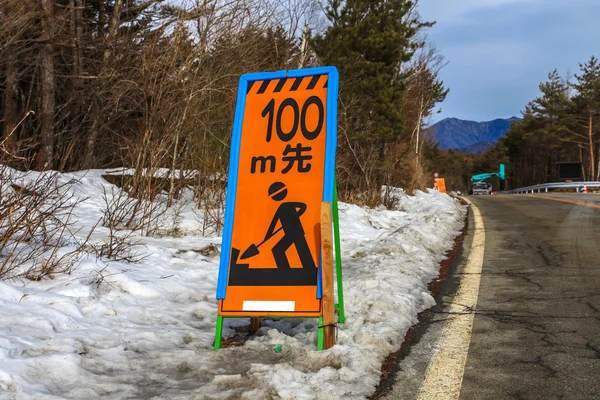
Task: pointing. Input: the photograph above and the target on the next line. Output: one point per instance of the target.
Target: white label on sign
(252, 305)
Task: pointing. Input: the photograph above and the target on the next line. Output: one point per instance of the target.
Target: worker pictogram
(287, 228)
(288, 216)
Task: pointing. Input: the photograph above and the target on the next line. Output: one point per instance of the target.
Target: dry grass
(36, 238)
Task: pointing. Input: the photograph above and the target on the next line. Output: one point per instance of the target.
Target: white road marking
(253, 305)
(444, 376)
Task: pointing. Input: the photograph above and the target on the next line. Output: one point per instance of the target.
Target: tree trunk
(303, 47)
(176, 151)
(592, 163)
(172, 172)
(90, 157)
(581, 161)
(11, 96)
(598, 168)
(11, 92)
(113, 28)
(101, 19)
(419, 121)
(47, 88)
(76, 32)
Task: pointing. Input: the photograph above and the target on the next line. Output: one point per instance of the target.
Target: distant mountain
(468, 136)
(477, 148)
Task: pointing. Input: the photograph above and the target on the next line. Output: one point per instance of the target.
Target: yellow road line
(564, 201)
(445, 373)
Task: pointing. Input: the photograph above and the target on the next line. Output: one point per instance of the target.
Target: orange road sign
(440, 185)
(281, 169)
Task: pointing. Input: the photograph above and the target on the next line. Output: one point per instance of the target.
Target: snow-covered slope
(145, 330)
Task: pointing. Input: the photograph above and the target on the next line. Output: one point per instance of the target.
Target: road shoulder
(411, 362)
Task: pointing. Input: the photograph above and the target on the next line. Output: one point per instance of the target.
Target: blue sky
(498, 51)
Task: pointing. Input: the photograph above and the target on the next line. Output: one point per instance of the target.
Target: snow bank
(145, 330)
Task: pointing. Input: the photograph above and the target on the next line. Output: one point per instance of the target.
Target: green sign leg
(218, 331)
(320, 335)
(338, 256)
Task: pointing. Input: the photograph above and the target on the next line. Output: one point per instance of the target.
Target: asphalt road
(536, 332)
(536, 327)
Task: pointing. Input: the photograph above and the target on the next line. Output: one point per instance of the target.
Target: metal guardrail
(544, 187)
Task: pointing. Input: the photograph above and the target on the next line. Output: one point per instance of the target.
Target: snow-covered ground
(144, 330)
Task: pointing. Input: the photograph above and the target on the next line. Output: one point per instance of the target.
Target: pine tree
(368, 41)
(587, 102)
(588, 85)
(554, 104)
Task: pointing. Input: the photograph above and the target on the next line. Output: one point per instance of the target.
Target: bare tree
(47, 86)
(424, 90)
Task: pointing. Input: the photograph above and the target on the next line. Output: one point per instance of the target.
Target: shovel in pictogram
(253, 250)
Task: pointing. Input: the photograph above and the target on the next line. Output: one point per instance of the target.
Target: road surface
(536, 324)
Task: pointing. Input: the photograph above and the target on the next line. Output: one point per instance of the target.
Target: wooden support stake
(254, 324)
(327, 275)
